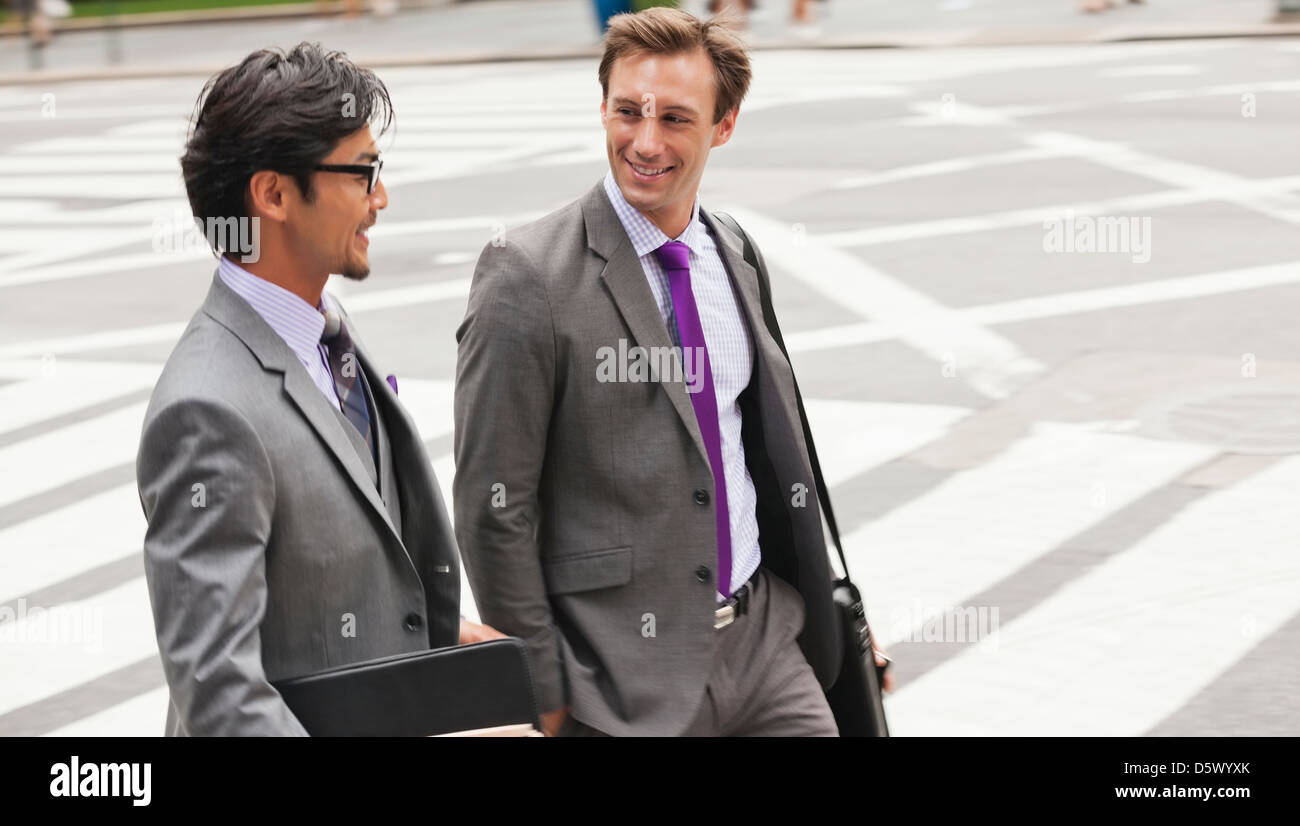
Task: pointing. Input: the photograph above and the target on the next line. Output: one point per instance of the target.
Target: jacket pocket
(588, 571)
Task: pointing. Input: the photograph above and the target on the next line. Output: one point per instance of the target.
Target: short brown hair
(669, 31)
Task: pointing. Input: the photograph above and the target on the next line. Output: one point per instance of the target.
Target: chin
(356, 273)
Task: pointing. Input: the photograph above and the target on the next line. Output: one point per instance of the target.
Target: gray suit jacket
(578, 502)
(270, 551)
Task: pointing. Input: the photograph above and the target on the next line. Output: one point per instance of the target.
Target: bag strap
(769, 317)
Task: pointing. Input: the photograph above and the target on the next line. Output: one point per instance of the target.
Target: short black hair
(280, 111)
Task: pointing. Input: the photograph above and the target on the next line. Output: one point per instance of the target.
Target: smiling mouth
(649, 171)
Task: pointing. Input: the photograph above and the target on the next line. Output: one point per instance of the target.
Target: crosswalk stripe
(984, 523)
(62, 543)
(991, 364)
(53, 650)
(64, 455)
(883, 431)
(71, 385)
(142, 715)
(1120, 648)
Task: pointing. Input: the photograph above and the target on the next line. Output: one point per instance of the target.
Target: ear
(269, 195)
(603, 115)
(724, 128)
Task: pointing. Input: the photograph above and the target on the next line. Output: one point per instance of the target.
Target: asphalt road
(1041, 300)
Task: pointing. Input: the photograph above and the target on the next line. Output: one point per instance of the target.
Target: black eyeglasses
(371, 169)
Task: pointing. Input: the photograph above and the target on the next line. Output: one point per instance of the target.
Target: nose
(379, 198)
(648, 142)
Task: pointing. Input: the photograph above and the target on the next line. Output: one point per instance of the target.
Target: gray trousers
(760, 684)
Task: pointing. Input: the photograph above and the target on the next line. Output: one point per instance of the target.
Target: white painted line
(36, 267)
(1152, 70)
(858, 436)
(983, 524)
(124, 111)
(407, 296)
(53, 650)
(49, 213)
(1131, 295)
(70, 540)
(1126, 644)
(71, 386)
(990, 363)
(948, 166)
(1246, 192)
(109, 339)
(70, 453)
(32, 164)
(118, 187)
(142, 716)
(102, 265)
(1036, 215)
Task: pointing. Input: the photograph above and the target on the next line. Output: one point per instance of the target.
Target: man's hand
(552, 721)
(881, 659)
(473, 632)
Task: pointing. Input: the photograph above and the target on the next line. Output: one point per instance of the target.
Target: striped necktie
(349, 381)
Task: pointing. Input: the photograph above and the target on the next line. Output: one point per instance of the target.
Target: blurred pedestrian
(802, 20)
(739, 9)
(1097, 6)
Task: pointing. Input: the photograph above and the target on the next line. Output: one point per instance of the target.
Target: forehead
(685, 77)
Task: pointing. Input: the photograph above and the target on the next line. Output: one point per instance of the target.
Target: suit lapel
(231, 311)
(626, 280)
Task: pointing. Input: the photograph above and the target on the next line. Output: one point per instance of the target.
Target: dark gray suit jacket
(270, 551)
(578, 502)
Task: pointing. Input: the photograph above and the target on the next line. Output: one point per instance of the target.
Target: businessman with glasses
(294, 522)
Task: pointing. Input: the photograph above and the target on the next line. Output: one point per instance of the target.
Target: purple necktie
(675, 258)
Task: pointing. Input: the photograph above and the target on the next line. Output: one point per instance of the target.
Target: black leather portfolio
(461, 688)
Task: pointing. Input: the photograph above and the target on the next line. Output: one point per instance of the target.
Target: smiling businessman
(294, 520)
(637, 531)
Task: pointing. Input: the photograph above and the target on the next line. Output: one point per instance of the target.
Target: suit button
(702, 573)
(701, 496)
(413, 622)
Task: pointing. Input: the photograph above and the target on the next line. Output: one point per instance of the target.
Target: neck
(283, 271)
(672, 220)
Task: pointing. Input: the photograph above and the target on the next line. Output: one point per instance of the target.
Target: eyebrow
(374, 156)
(672, 107)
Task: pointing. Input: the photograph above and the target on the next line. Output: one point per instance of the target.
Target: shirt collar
(645, 236)
(294, 320)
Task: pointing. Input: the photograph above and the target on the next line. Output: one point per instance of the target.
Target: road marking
(60, 544)
(991, 364)
(47, 652)
(948, 166)
(1036, 215)
(1120, 648)
(61, 456)
(72, 385)
(1277, 204)
(982, 524)
(143, 715)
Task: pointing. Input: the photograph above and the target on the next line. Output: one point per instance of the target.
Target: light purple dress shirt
(292, 319)
(730, 356)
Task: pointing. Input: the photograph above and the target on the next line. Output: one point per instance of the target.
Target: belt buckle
(723, 617)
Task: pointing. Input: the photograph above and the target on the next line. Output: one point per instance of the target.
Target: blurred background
(1037, 262)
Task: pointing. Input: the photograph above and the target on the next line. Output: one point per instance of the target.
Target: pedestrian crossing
(1128, 615)
(1124, 585)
